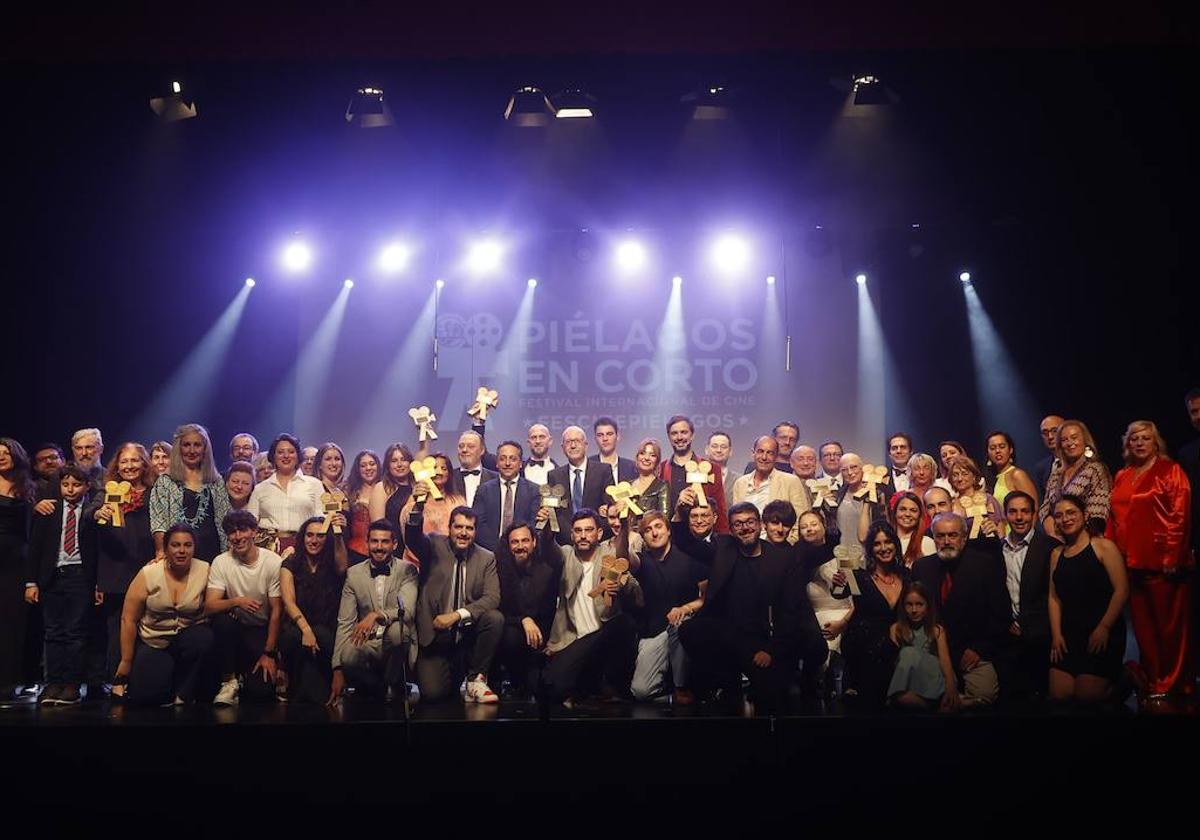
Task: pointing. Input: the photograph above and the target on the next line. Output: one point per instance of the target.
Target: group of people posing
(806, 577)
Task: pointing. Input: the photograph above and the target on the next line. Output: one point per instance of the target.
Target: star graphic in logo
(743, 420)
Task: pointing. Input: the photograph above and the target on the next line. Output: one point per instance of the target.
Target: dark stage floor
(637, 767)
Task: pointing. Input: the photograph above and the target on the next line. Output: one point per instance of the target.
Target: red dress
(1151, 523)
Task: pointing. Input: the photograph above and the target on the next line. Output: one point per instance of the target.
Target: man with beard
(751, 621)
(458, 621)
(971, 601)
(538, 467)
(681, 431)
(591, 639)
(528, 591)
(244, 447)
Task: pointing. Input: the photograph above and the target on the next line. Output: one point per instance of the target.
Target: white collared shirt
(900, 479)
(1014, 563)
(759, 496)
(583, 605)
(538, 474)
(615, 468)
(470, 482)
(286, 510)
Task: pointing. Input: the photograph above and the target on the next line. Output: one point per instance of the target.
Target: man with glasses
(1049, 432)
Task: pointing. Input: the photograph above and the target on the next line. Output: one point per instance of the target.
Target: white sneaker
(228, 695)
(478, 692)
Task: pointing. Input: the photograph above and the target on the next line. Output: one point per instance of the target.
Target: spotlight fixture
(861, 279)
(367, 109)
(869, 90)
(710, 103)
(348, 283)
(573, 104)
(441, 284)
(532, 282)
(297, 256)
(677, 280)
(394, 257)
(965, 277)
(250, 282)
(771, 280)
(483, 257)
(730, 252)
(630, 256)
(173, 107)
(528, 107)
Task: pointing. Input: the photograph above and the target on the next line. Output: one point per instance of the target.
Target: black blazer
(45, 533)
(978, 611)
(595, 480)
(1034, 617)
(541, 595)
(626, 469)
(487, 508)
(118, 553)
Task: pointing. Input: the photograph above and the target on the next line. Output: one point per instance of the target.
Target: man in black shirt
(751, 622)
(673, 586)
(528, 591)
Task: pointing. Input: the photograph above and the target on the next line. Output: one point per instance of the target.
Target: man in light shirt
(767, 483)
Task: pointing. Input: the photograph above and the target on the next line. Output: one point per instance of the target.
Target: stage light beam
(730, 253)
(861, 279)
(965, 277)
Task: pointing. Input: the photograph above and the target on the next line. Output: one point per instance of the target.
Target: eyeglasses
(745, 525)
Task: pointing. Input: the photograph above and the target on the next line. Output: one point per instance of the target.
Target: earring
(1088, 453)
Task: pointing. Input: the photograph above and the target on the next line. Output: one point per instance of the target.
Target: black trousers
(718, 662)
(186, 668)
(104, 638)
(238, 647)
(515, 658)
(606, 656)
(442, 664)
(1023, 666)
(309, 674)
(66, 610)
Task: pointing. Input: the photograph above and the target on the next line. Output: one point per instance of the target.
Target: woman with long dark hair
(1001, 473)
(17, 496)
(389, 494)
(310, 582)
(437, 511)
(364, 475)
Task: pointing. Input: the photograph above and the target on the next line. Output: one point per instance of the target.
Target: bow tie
(469, 472)
(385, 569)
(532, 463)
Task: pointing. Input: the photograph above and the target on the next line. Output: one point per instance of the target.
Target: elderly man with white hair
(583, 481)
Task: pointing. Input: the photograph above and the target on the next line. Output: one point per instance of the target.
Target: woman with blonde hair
(1077, 471)
(967, 479)
(190, 491)
(1150, 523)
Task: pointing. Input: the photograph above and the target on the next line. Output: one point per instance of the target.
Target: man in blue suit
(505, 500)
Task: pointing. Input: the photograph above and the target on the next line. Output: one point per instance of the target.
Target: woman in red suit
(1150, 523)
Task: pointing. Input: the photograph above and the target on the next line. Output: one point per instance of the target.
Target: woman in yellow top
(1003, 475)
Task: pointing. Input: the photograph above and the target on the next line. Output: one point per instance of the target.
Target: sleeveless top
(163, 619)
(1002, 489)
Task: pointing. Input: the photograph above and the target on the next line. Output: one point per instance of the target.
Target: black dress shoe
(50, 695)
(68, 695)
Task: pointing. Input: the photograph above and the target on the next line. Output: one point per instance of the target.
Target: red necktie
(69, 532)
(947, 585)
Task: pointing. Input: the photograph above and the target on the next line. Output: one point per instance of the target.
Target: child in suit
(64, 584)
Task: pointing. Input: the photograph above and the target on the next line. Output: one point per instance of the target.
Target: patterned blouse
(166, 506)
(1090, 483)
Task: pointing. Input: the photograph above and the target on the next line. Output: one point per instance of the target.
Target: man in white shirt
(1021, 658)
(900, 449)
(592, 636)
(538, 467)
(245, 603)
(767, 484)
(472, 472)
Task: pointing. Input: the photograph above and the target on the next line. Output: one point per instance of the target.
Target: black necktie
(469, 472)
(381, 569)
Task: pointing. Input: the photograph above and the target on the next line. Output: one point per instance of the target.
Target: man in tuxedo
(608, 435)
(503, 501)
(470, 469)
(899, 451)
(756, 616)
(583, 479)
(767, 484)
(1022, 656)
(538, 467)
(681, 432)
(968, 589)
(458, 618)
(375, 638)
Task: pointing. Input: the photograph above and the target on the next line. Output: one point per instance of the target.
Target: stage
(637, 766)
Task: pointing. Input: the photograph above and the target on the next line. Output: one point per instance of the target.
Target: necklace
(203, 503)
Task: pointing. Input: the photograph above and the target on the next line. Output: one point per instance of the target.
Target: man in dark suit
(1022, 657)
(458, 620)
(608, 435)
(528, 596)
(505, 500)
(967, 587)
(61, 576)
(756, 616)
(583, 480)
(470, 468)
(1041, 470)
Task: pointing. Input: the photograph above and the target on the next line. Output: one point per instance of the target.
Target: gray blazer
(358, 599)
(437, 581)
(563, 631)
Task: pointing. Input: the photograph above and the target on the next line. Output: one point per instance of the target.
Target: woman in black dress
(391, 492)
(311, 582)
(120, 549)
(1088, 589)
(867, 647)
(16, 499)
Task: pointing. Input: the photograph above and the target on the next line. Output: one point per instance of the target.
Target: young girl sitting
(924, 677)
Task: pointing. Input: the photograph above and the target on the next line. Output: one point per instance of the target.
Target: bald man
(768, 484)
(1049, 432)
(472, 472)
(584, 481)
(850, 509)
(539, 464)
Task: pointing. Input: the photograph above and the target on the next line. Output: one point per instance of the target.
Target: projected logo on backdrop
(571, 370)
